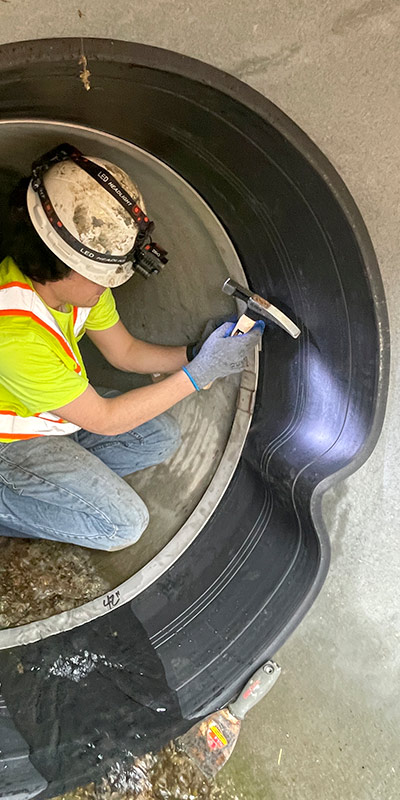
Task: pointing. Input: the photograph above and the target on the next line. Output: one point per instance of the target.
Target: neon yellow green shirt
(36, 374)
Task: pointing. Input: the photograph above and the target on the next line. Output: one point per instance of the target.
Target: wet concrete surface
(333, 67)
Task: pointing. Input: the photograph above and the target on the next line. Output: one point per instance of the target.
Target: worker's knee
(121, 546)
(127, 531)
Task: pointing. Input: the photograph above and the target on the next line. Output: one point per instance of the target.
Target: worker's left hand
(211, 326)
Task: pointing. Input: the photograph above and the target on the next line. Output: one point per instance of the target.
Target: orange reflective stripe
(16, 283)
(18, 312)
(47, 418)
(75, 314)
(39, 416)
(20, 435)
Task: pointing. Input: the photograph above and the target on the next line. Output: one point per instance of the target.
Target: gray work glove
(193, 350)
(222, 354)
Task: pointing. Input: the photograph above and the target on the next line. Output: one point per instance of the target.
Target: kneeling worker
(78, 227)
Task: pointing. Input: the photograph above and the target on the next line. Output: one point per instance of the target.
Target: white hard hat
(93, 216)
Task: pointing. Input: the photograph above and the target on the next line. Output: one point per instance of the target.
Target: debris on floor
(168, 775)
(76, 668)
(40, 578)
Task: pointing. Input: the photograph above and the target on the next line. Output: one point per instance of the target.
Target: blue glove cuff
(192, 380)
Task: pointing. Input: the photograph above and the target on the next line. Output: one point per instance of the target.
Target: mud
(85, 72)
(167, 775)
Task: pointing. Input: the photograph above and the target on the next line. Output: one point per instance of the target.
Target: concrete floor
(332, 65)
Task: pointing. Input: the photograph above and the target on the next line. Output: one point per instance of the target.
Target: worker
(77, 228)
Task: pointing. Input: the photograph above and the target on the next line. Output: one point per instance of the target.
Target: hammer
(257, 308)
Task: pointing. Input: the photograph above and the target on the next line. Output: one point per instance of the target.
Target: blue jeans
(70, 488)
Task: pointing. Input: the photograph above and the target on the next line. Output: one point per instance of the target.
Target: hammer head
(259, 308)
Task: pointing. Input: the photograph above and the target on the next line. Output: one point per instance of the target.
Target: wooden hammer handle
(243, 325)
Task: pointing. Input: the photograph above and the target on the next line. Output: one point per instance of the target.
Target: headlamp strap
(101, 175)
(104, 178)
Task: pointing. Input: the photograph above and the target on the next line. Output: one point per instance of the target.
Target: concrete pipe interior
(169, 309)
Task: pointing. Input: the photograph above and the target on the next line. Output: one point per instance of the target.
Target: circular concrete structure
(194, 630)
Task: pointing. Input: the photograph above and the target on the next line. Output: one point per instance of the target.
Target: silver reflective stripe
(81, 317)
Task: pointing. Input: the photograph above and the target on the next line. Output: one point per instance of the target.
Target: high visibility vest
(18, 299)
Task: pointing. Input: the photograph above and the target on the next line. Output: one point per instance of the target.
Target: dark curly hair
(24, 245)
